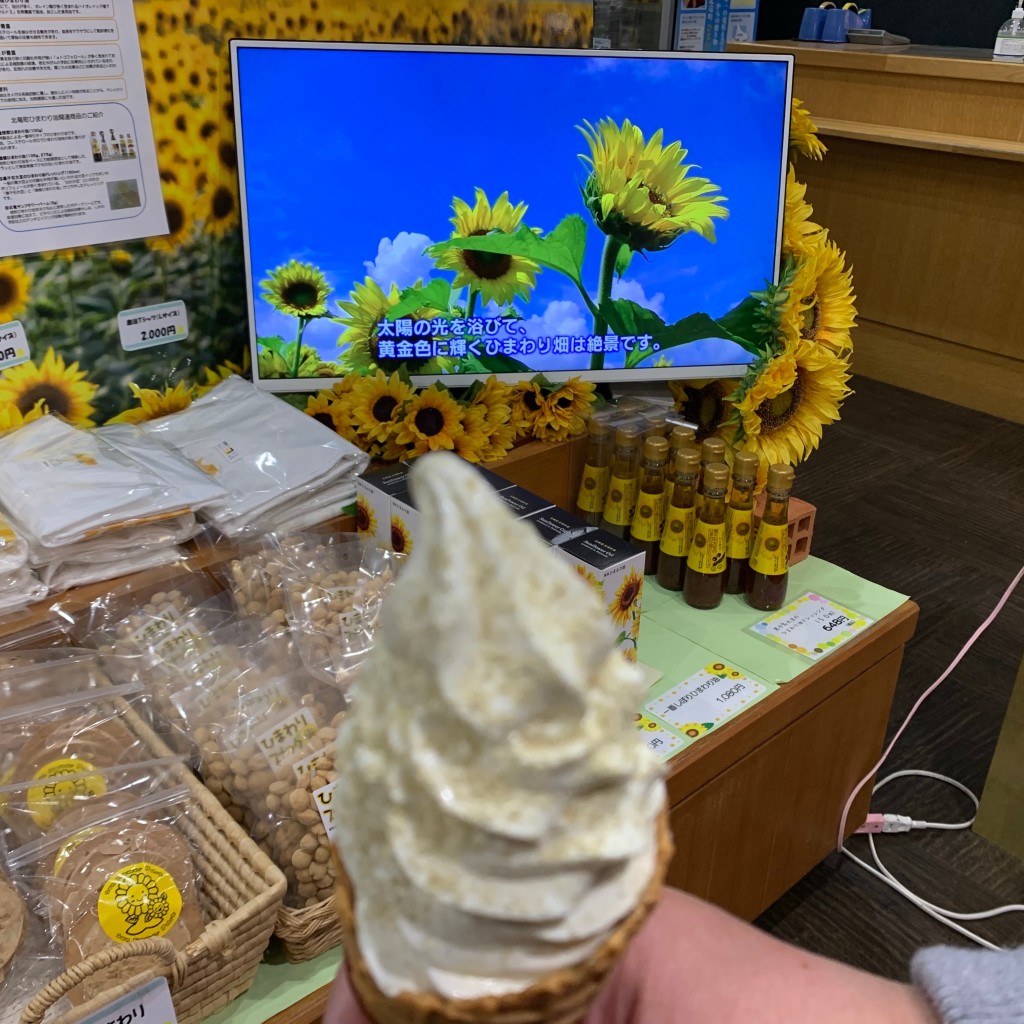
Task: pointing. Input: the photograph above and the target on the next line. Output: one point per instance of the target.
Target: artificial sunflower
(61, 388)
(562, 412)
(703, 402)
(377, 403)
(178, 204)
(494, 398)
(496, 276)
(297, 289)
(820, 305)
(786, 400)
(473, 441)
(366, 519)
(153, 403)
(803, 137)
(800, 234)
(626, 598)
(326, 410)
(526, 404)
(15, 283)
(366, 306)
(641, 192)
(401, 538)
(431, 421)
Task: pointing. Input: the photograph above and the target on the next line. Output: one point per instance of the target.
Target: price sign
(147, 326)
(811, 625)
(147, 1004)
(13, 345)
(706, 698)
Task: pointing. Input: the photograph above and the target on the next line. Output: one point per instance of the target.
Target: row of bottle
(118, 148)
(675, 504)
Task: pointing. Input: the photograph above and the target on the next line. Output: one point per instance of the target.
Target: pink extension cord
(920, 700)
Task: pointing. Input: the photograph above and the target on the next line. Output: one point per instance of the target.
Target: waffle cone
(562, 997)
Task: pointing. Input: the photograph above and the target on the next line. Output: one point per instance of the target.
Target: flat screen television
(461, 211)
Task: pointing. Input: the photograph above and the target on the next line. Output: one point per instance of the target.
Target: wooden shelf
(941, 142)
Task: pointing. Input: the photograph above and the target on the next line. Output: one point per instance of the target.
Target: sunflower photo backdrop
(68, 300)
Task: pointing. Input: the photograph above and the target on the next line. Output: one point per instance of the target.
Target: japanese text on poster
(77, 161)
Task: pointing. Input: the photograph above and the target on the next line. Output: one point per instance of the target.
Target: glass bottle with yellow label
(712, 449)
(680, 520)
(620, 502)
(769, 560)
(597, 469)
(680, 438)
(649, 516)
(705, 561)
(739, 522)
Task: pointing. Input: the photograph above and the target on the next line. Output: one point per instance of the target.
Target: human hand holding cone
(500, 823)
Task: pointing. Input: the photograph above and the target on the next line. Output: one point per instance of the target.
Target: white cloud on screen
(562, 316)
(708, 352)
(400, 261)
(629, 288)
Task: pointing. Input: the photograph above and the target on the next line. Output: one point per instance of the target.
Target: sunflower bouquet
(802, 330)
(393, 421)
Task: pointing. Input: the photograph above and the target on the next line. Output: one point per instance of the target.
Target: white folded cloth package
(88, 505)
(275, 461)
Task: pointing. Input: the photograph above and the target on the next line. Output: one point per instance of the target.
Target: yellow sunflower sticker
(138, 901)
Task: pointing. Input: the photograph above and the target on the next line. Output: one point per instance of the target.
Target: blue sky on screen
(358, 178)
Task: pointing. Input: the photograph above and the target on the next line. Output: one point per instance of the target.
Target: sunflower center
(656, 198)
(776, 412)
(175, 216)
(489, 266)
(57, 401)
(629, 595)
(300, 294)
(812, 320)
(704, 407)
(325, 419)
(563, 402)
(223, 203)
(530, 401)
(8, 289)
(429, 421)
(383, 408)
(362, 518)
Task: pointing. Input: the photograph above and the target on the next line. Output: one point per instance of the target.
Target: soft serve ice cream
(496, 813)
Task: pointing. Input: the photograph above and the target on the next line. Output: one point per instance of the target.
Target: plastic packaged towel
(20, 588)
(261, 449)
(61, 485)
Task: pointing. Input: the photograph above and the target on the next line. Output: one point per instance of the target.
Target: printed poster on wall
(77, 160)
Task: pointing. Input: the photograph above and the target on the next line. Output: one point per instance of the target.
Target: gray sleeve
(972, 986)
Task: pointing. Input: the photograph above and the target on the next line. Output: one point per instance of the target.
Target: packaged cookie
(29, 808)
(28, 676)
(118, 876)
(13, 918)
(73, 734)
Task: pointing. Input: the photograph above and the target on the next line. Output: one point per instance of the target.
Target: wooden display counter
(922, 187)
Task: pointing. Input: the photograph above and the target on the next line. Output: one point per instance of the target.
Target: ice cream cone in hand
(500, 823)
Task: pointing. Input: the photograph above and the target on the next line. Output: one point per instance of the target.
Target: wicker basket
(241, 893)
(308, 933)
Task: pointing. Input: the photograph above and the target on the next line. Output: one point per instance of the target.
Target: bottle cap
(683, 437)
(687, 461)
(627, 436)
(712, 449)
(656, 448)
(654, 424)
(716, 477)
(598, 428)
(745, 466)
(780, 479)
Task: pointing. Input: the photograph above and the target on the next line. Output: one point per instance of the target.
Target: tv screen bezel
(610, 375)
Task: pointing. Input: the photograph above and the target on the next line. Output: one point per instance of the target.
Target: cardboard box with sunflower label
(615, 569)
